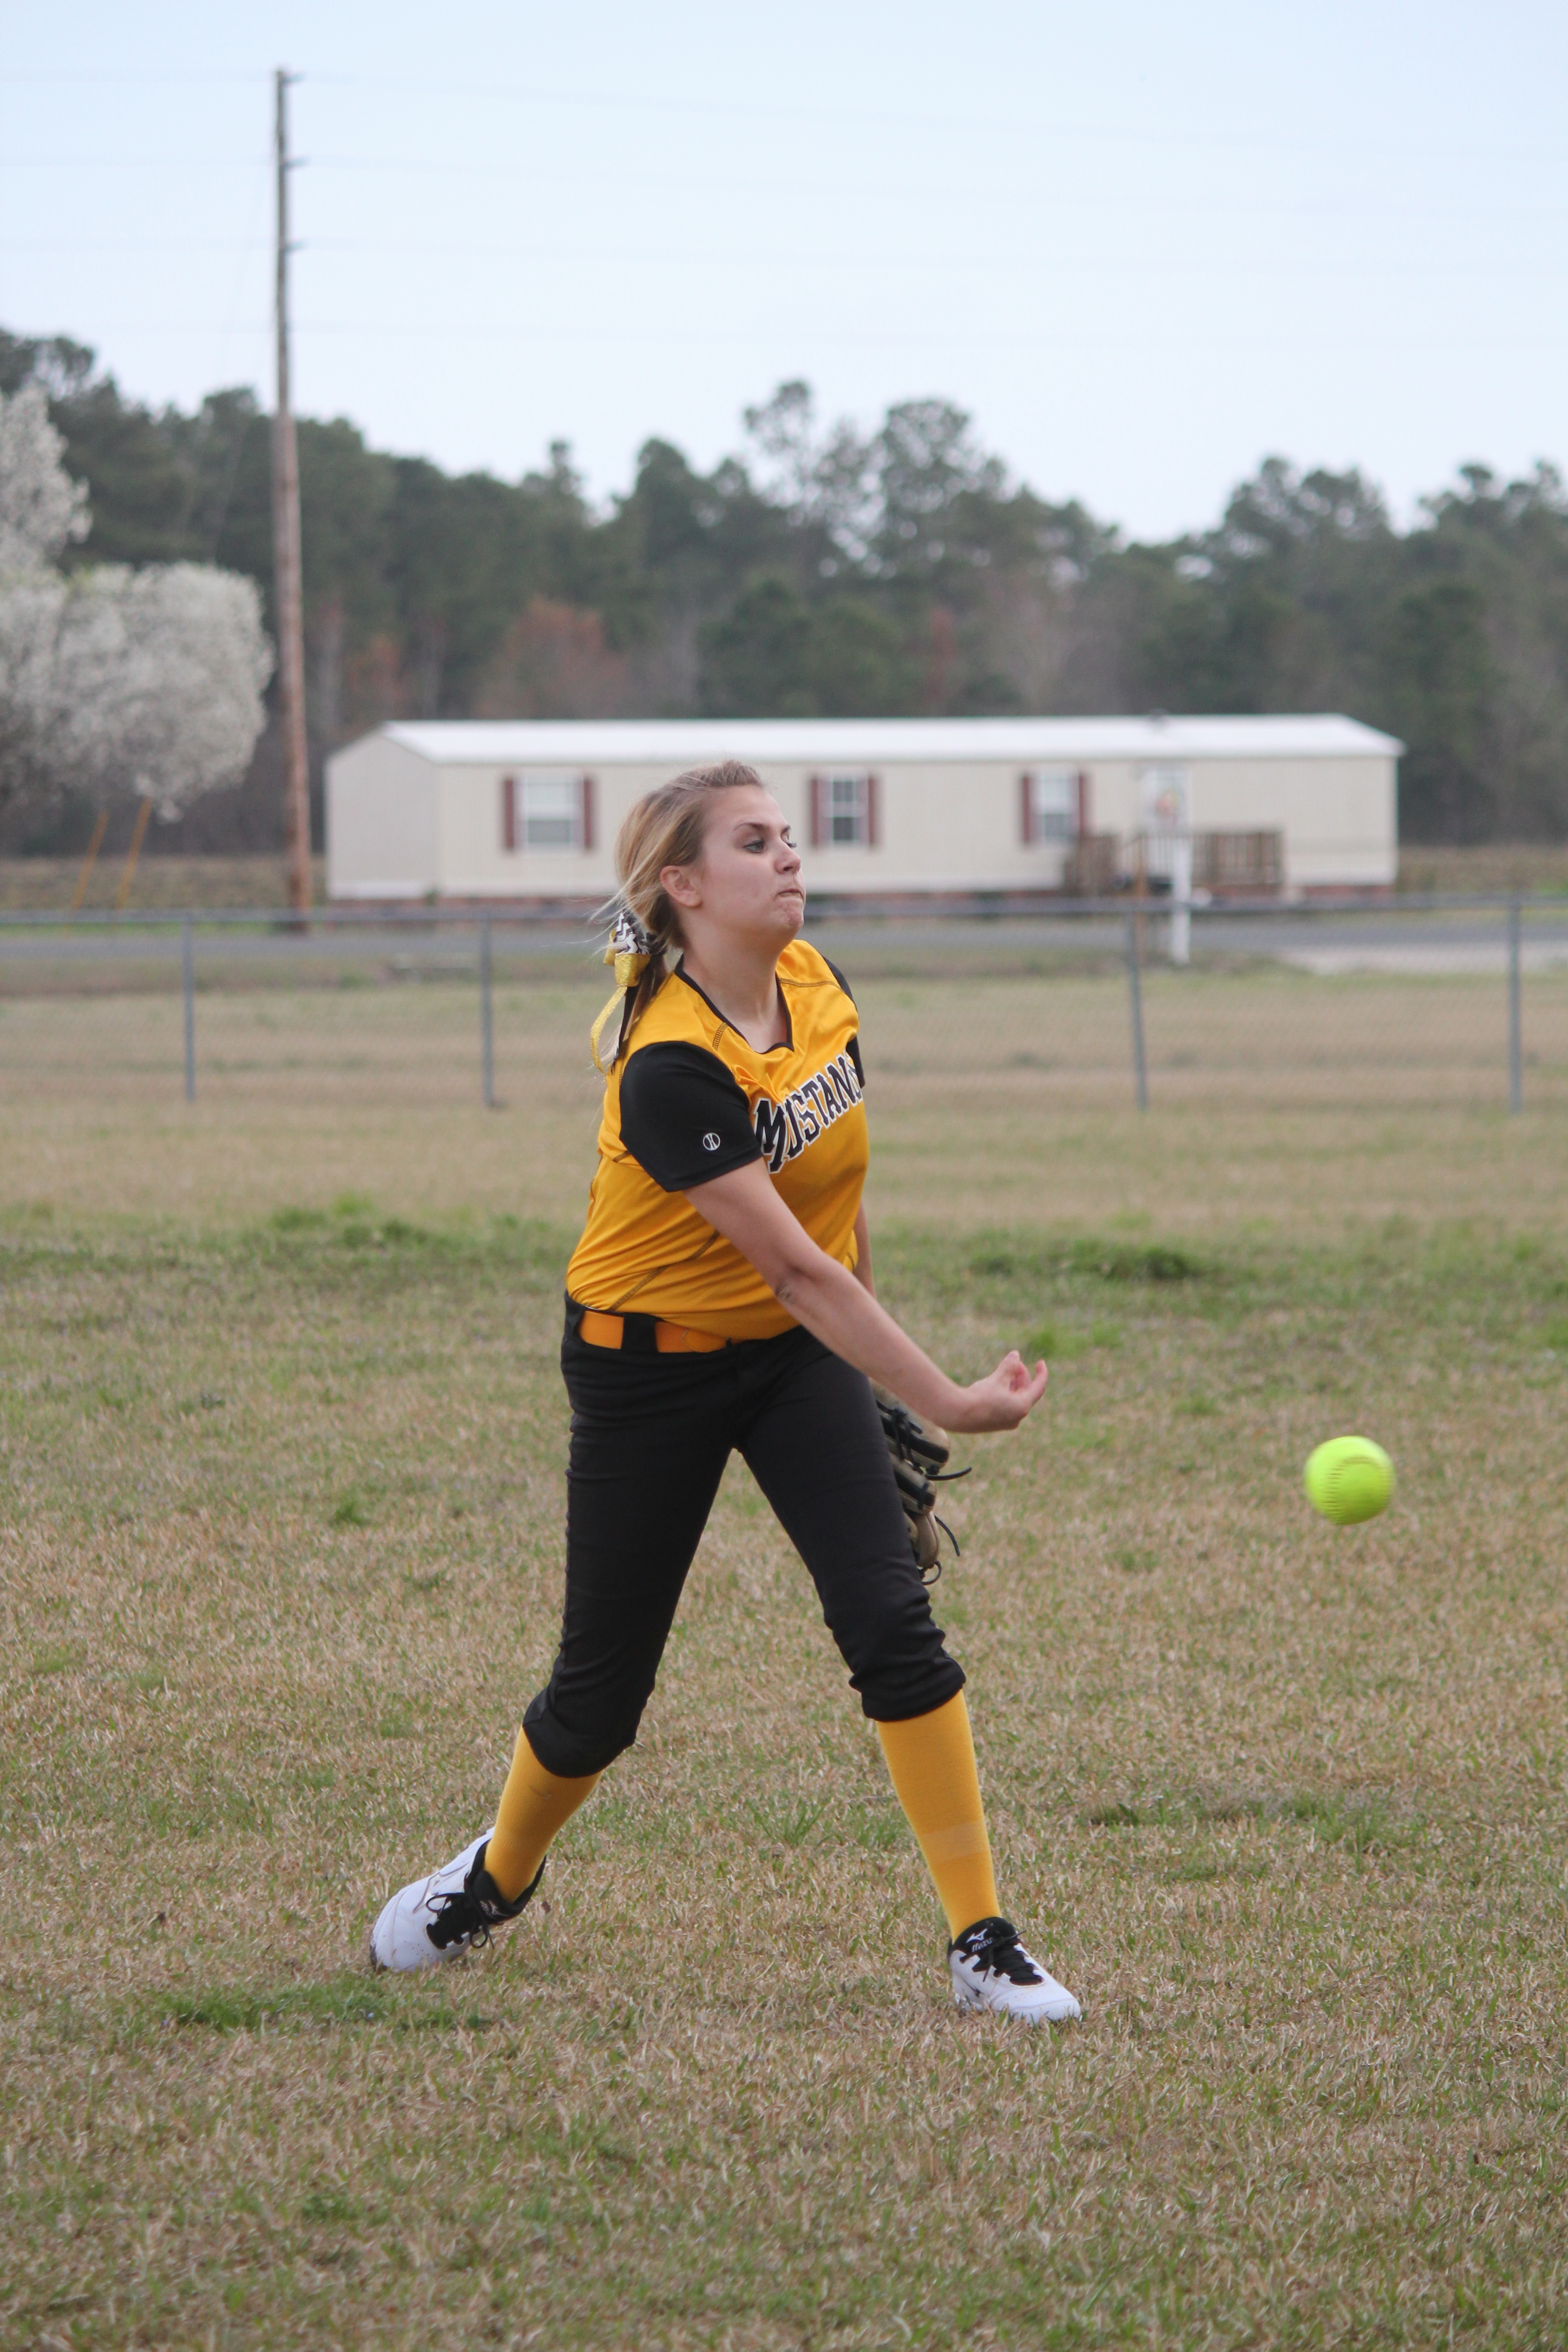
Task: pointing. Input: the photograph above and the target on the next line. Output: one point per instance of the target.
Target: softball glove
(920, 1452)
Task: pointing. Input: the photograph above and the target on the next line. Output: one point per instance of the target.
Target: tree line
(823, 569)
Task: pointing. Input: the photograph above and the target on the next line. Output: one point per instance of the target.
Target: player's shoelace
(994, 1945)
(466, 1914)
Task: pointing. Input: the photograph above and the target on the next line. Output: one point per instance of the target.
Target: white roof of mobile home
(527, 809)
(452, 742)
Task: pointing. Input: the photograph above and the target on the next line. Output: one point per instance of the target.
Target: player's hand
(1001, 1401)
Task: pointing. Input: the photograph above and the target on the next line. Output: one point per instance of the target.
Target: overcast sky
(1145, 245)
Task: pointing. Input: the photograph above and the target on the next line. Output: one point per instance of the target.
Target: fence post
(188, 988)
(1135, 994)
(1515, 1024)
(487, 1016)
(1181, 900)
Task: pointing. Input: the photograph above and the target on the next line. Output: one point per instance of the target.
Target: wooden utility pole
(287, 584)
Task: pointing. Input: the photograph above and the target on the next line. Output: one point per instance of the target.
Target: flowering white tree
(112, 680)
(40, 506)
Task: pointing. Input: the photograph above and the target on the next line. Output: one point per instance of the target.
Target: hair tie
(630, 949)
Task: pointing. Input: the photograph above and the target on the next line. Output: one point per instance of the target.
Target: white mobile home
(896, 808)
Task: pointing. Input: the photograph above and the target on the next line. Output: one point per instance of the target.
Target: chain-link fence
(1436, 1002)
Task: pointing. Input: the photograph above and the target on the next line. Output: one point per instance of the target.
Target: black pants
(650, 1436)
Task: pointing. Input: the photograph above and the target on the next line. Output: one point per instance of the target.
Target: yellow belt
(669, 1339)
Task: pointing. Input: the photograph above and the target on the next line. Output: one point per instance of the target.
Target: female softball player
(720, 1298)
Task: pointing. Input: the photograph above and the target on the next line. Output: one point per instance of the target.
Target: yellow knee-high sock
(931, 1760)
(533, 1805)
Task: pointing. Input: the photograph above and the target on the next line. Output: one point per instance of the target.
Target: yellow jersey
(690, 1100)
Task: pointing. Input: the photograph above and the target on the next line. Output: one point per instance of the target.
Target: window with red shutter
(873, 812)
(1049, 804)
(843, 811)
(509, 812)
(586, 812)
(548, 807)
(1026, 808)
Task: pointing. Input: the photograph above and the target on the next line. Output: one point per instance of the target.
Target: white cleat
(991, 1969)
(442, 1916)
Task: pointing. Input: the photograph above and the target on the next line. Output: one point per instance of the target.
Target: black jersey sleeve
(683, 1118)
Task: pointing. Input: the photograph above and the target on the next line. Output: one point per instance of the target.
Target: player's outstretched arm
(842, 1313)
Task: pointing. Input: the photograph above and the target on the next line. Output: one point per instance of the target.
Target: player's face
(749, 880)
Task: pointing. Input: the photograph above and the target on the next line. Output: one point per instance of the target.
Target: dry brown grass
(1280, 1100)
(1488, 866)
(40, 884)
(280, 1563)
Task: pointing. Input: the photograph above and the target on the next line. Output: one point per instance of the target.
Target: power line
(142, 245)
(812, 257)
(163, 163)
(930, 267)
(418, 167)
(230, 74)
(1081, 131)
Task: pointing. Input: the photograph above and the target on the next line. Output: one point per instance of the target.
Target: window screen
(550, 812)
(847, 806)
(1054, 804)
(546, 813)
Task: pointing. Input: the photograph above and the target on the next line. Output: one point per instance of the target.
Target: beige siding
(940, 827)
(474, 865)
(400, 823)
(1337, 816)
(382, 838)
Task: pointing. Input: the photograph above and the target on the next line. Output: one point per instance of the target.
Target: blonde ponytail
(666, 828)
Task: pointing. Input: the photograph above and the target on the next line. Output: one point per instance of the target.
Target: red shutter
(509, 812)
(585, 810)
(1026, 808)
(1084, 804)
(873, 812)
(818, 819)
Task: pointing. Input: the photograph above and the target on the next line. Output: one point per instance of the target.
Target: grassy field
(1282, 1102)
(39, 884)
(280, 1558)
